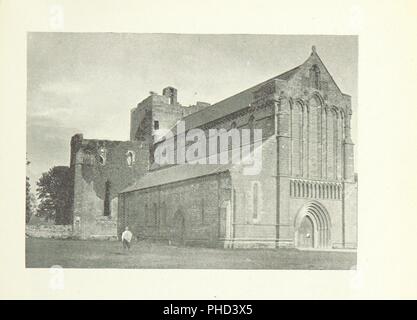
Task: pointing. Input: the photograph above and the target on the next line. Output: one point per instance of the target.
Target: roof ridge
(240, 92)
(325, 68)
(144, 182)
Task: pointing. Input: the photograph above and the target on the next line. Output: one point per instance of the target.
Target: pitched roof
(287, 75)
(314, 52)
(240, 100)
(231, 104)
(175, 174)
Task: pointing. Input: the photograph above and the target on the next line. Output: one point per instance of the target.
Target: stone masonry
(305, 194)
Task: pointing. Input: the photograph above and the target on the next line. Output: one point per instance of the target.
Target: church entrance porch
(312, 226)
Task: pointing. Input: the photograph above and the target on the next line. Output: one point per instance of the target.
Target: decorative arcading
(315, 189)
(318, 132)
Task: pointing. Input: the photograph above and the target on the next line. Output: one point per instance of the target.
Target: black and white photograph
(191, 151)
(208, 157)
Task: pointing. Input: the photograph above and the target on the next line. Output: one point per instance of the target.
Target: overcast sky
(88, 82)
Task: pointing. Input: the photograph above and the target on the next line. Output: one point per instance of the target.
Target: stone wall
(307, 167)
(100, 170)
(160, 213)
(195, 108)
(316, 135)
(334, 209)
(49, 231)
(350, 207)
(155, 108)
(263, 118)
(315, 155)
(255, 202)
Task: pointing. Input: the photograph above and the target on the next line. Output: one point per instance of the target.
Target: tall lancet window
(255, 199)
(130, 158)
(146, 214)
(102, 153)
(251, 126)
(107, 209)
(315, 77)
(155, 215)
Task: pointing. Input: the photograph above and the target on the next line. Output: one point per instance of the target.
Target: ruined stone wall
(152, 116)
(140, 120)
(49, 231)
(195, 108)
(100, 170)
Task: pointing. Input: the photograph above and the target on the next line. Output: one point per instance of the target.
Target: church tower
(155, 115)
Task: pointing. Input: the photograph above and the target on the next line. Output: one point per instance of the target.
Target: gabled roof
(314, 53)
(231, 104)
(181, 172)
(176, 173)
(244, 98)
(287, 75)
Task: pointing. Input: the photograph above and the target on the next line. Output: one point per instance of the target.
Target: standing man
(126, 238)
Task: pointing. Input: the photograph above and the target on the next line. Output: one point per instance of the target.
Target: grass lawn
(44, 253)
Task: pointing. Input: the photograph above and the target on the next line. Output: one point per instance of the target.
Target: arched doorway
(178, 228)
(306, 233)
(312, 226)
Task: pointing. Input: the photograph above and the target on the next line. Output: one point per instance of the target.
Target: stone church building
(305, 194)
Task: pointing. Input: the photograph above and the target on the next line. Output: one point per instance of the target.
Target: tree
(28, 201)
(54, 193)
(29, 207)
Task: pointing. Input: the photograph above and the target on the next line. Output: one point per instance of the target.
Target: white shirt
(127, 235)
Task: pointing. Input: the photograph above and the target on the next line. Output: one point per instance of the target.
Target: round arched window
(130, 158)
